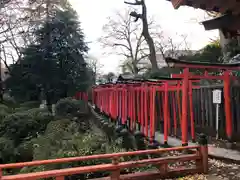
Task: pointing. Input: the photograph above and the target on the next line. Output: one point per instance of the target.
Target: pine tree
(58, 67)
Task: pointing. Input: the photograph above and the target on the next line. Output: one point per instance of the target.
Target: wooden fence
(199, 156)
(204, 112)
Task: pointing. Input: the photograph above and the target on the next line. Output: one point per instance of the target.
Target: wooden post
(116, 173)
(153, 113)
(0, 174)
(60, 178)
(174, 113)
(163, 168)
(165, 113)
(204, 152)
(146, 108)
(227, 103)
(184, 124)
(142, 109)
(179, 102)
(191, 112)
(150, 111)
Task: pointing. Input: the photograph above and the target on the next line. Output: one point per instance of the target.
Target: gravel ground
(218, 170)
(223, 144)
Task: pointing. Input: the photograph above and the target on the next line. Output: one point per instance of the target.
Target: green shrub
(57, 142)
(41, 116)
(3, 114)
(5, 108)
(25, 151)
(9, 101)
(21, 109)
(55, 128)
(69, 106)
(7, 154)
(18, 126)
(37, 111)
(30, 104)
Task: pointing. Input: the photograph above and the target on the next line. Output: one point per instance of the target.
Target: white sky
(93, 14)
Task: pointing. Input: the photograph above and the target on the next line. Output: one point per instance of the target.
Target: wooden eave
(228, 21)
(182, 63)
(229, 24)
(220, 6)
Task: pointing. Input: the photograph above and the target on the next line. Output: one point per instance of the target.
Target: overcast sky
(93, 14)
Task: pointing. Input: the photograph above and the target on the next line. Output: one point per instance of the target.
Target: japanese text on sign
(217, 96)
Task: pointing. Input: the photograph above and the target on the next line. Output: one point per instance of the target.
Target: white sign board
(217, 96)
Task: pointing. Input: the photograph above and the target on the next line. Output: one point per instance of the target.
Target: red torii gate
(186, 76)
(134, 101)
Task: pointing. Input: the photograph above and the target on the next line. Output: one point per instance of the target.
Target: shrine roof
(221, 6)
(227, 22)
(181, 63)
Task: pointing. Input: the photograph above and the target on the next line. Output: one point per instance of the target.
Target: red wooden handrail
(101, 167)
(92, 157)
(114, 167)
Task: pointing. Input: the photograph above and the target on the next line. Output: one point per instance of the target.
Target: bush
(4, 111)
(18, 126)
(30, 104)
(37, 111)
(3, 114)
(9, 101)
(69, 106)
(5, 108)
(55, 128)
(41, 116)
(57, 142)
(25, 151)
(7, 150)
(21, 109)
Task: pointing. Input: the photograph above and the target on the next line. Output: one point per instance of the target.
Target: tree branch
(137, 2)
(136, 15)
(122, 45)
(5, 58)
(142, 57)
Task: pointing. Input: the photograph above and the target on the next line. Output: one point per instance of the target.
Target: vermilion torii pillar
(186, 76)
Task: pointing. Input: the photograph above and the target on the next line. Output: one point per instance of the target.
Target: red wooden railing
(200, 156)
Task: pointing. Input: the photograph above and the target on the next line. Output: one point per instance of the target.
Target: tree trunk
(1, 83)
(223, 42)
(148, 38)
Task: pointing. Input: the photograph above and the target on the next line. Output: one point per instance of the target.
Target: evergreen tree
(58, 67)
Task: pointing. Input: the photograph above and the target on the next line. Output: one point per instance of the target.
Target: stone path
(216, 152)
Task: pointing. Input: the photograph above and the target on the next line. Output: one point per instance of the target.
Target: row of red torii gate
(165, 103)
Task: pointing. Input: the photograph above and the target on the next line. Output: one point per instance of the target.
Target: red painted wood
(92, 157)
(102, 167)
(60, 178)
(146, 129)
(165, 113)
(191, 112)
(227, 99)
(184, 123)
(174, 113)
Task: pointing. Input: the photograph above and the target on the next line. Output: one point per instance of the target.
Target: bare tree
(108, 78)
(145, 31)
(166, 46)
(125, 38)
(19, 19)
(14, 32)
(95, 66)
